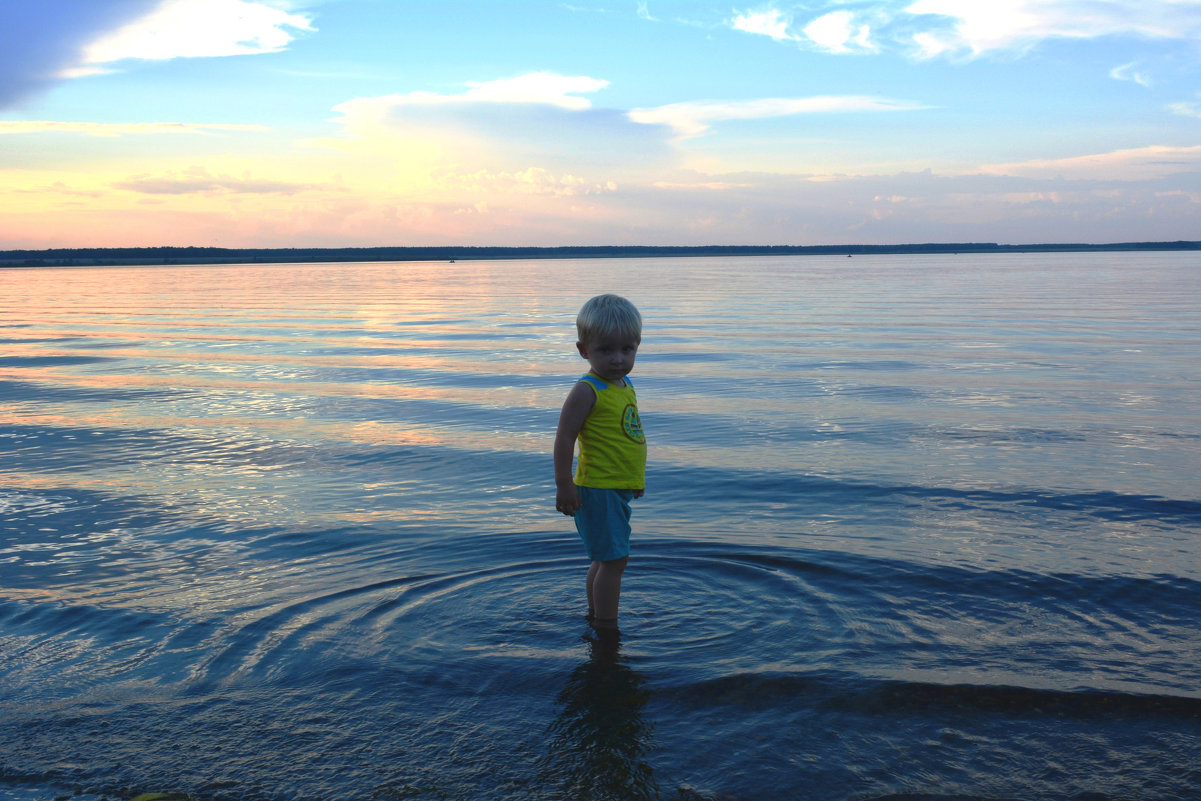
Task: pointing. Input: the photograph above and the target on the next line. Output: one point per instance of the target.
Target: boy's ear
(583, 349)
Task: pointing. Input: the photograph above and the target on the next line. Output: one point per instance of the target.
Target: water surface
(915, 527)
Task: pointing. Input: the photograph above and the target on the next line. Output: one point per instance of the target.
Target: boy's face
(610, 358)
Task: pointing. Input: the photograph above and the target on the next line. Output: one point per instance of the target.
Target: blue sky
(265, 123)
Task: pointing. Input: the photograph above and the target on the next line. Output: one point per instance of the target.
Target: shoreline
(113, 257)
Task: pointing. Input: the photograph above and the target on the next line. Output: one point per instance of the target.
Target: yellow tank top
(612, 445)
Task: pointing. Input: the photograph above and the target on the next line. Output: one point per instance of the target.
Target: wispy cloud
(117, 128)
(540, 88)
(691, 119)
(771, 23)
(954, 28)
(1129, 164)
(547, 88)
(531, 181)
(199, 28)
(199, 181)
(1127, 72)
(1187, 108)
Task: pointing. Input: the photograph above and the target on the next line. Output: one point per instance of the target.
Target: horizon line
(117, 256)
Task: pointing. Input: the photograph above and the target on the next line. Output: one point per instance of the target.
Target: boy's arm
(575, 411)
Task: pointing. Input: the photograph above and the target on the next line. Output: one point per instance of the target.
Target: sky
(360, 123)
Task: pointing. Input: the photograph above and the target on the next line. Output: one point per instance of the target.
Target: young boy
(601, 411)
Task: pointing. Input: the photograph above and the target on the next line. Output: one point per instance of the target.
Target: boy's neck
(621, 382)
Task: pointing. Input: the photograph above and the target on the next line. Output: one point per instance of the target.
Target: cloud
(664, 207)
(931, 28)
(1143, 163)
(42, 39)
(834, 32)
(117, 129)
(910, 206)
(539, 88)
(1186, 108)
(48, 41)
(199, 28)
(957, 27)
(509, 125)
(691, 119)
(771, 23)
(1126, 72)
(837, 32)
(199, 181)
(531, 181)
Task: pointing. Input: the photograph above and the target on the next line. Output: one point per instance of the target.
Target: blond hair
(608, 316)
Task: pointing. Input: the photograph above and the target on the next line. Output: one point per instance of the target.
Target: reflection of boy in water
(600, 738)
(601, 411)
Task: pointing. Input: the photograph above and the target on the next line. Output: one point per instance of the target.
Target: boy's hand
(639, 493)
(567, 500)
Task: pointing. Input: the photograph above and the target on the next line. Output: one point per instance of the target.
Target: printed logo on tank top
(632, 425)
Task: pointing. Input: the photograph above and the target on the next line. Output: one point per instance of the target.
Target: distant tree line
(207, 255)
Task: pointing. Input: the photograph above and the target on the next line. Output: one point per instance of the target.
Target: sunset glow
(314, 123)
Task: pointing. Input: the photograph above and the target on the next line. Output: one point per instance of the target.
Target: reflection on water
(600, 737)
(913, 524)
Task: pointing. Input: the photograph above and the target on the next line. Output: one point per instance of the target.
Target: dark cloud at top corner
(41, 38)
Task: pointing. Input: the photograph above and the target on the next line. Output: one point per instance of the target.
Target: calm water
(916, 527)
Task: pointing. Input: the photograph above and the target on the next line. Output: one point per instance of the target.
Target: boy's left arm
(576, 409)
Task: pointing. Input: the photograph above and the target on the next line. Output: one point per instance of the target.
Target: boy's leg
(592, 570)
(604, 584)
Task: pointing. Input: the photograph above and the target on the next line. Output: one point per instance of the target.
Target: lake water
(916, 527)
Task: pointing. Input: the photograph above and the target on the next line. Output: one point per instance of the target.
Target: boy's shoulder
(593, 381)
(599, 384)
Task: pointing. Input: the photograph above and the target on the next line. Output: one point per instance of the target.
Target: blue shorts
(603, 521)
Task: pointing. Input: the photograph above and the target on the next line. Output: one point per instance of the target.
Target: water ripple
(914, 528)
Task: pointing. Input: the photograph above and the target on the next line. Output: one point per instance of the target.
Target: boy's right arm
(575, 411)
